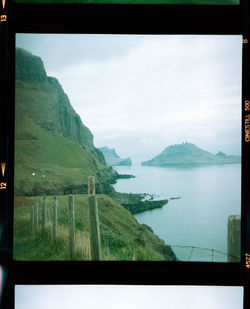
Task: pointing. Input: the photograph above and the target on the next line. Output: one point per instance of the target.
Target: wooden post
(94, 221)
(38, 212)
(54, 219)
(71, 227)
(36, 216)
(91, 185)
(234, 238)
(32, 220)
(44, 214)
(49, 212)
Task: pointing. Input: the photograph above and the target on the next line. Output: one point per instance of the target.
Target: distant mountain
(187, 153)
(54, 150)
(112, 158)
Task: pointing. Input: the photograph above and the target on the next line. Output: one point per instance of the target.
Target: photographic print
(124, 296)
(127, 147)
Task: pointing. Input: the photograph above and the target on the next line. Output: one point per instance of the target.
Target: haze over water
(209, 194)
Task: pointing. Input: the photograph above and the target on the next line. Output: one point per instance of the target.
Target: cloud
(164, 88)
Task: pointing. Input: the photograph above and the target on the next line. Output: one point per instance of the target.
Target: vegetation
(136, 202)
(42, 168)
(122, 238)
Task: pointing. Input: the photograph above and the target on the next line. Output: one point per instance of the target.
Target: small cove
(209, 194)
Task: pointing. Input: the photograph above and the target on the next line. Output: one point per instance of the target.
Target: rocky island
(187, 153)
(112, 157)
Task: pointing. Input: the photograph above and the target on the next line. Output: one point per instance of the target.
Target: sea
(201, 198)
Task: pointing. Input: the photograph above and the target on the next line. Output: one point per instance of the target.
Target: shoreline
(138, 202)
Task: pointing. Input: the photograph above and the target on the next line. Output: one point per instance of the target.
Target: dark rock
(125, 176)
(29, 67)
(136, 203)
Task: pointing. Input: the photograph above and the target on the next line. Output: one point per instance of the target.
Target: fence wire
(61, 212)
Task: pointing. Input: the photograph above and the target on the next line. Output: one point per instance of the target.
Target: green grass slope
(47, 163)
(122, 237)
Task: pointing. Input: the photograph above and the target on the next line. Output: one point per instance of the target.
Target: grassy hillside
(57, 163)
(122, 238)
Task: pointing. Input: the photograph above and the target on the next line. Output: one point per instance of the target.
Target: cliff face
(187, 153)
(46, 103)
(46, 127)
(112, 158)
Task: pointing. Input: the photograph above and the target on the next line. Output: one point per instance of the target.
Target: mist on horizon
(142, 93)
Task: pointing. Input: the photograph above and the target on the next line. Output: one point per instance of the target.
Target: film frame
(50, 18)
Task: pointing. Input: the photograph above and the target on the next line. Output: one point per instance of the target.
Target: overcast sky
(139, 94)
(124, 297)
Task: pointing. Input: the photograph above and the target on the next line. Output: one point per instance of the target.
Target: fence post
(32, 220)
(36, 217)
(38, 212)
(54, 219)
(94, 221)
(71, 227)
(48, 210)
(234, 238)
(44, 214)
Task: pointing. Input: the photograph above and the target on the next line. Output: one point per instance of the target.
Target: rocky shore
(136, 203)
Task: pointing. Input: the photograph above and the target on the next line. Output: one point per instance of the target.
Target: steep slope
(54, 155)
(122, 237)
(187, 153)
(54, 150)
(112, 158)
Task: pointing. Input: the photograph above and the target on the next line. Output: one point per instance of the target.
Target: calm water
(208, 195)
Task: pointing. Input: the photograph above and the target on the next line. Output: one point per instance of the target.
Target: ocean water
(196, 222)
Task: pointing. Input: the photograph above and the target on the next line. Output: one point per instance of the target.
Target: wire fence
(57, 229)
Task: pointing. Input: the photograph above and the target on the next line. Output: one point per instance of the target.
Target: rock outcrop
(112, 158)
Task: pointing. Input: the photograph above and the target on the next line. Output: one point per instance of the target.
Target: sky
(124, 297)
(141, 93)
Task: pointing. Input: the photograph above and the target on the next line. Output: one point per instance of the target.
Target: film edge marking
(3, 166)
(3, 185)
(247, 260)
(3, 17)
(247, 121)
